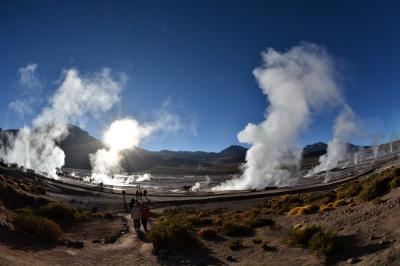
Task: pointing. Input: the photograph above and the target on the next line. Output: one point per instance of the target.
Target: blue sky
(198, 56)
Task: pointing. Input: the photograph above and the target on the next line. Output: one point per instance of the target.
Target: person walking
(124, 199)
(145, 215)
(141, 195)
(145, 193)
(137, 194)
(136, 215)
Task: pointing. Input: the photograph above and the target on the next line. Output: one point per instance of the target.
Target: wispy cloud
(29, 86)
(20, 107)
(29, 80)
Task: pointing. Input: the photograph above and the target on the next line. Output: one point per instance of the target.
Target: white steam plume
(76, 97)
(199, 185)
(345, 126)
(297, 83)
(126, 134)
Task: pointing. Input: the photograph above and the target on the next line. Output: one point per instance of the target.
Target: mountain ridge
(79, 144)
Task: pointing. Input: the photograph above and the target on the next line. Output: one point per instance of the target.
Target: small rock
(96, 241)
(231, 258)
(353, 260)
(384, 242)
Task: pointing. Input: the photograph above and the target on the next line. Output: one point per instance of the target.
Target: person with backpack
(136, 215)
(145, 215)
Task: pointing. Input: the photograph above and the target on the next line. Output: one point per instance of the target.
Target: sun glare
(124, 134)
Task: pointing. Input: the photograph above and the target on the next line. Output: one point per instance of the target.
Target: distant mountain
(314, 150)
(79, 144)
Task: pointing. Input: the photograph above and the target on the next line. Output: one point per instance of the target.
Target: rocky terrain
(355, 223)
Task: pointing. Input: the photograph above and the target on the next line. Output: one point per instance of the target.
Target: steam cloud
(76, 97)
(345, 126)
(298, 84)
(125, 134)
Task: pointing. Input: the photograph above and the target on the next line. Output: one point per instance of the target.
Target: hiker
(136, 215)
(145, 193)
(132, 203)
(145, 212)
(137, 194)
(124, 199)
(140, 195)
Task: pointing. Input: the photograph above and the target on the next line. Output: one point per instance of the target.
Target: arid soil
(369, 232)
(127, 249)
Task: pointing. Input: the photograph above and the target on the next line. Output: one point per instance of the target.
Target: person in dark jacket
(145, 215)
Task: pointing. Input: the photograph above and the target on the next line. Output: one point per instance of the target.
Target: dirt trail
(127, 250)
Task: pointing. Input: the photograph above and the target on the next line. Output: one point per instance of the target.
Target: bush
(326, 207)
(282, 204)
(173, 232)
(300, 235)
(314, 238)
(207, 233)
(339, 203)
(233, 228)
(375, 188)
(395, 181)
(349, 190)
(43, 228)
(308, 209)
(63, 214)
(325, 243)
(235, 244)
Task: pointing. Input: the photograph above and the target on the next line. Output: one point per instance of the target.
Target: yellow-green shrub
(41, 227)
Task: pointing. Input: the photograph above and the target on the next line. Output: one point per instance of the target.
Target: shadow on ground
(24, 242)
(352, 248)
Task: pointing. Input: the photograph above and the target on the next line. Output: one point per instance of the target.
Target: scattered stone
(232, 258)
(265, 247)
(98, 241)
(353, 260)
(384, 242)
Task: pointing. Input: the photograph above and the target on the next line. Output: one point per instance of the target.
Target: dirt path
(129, 249)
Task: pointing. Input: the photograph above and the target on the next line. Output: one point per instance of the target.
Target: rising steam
(76, 97)
(298, 84)
(345, 126)
(126, 134)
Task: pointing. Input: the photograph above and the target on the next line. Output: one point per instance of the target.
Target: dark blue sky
(199, 56)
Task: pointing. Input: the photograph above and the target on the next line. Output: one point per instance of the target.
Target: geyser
(76, 97)
(345, 126)
(298, 84)
(125, 134)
